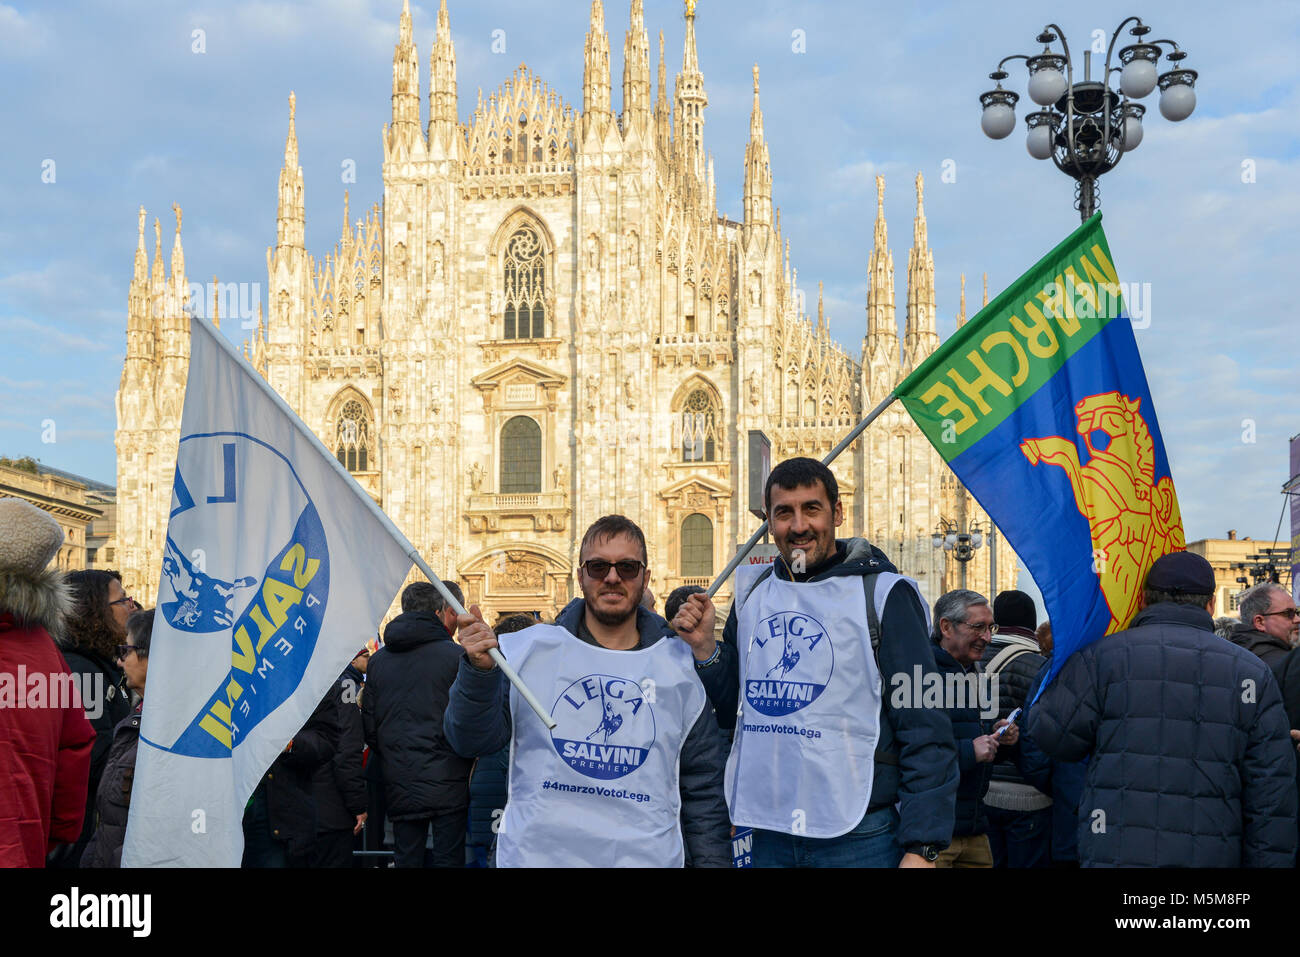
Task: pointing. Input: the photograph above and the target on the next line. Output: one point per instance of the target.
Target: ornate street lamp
(1087, 127)
(962, 542)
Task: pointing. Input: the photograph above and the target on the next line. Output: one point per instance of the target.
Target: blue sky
(130, 115)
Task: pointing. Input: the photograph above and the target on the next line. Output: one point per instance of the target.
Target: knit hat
(29, 537)
(1015, 609)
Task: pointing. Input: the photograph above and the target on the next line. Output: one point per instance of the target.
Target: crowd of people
(837, 717)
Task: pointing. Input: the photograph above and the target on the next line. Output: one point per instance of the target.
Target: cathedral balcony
(537, 512)
(695, 349)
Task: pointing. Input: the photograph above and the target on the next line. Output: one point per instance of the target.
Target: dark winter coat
(44, 752)
(1288, 677)
(1269, 650)
(1066, 781)
(339, 786)
(1008, 788)
(478, 723)
(287, 785)
(113, 801)
(916, 764)
(96, 672)
(487, 796)
(1192, 764)
(407, 685)
(967, 725)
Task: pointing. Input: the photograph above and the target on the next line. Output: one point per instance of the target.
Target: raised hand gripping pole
(830, 457)
(511, 675)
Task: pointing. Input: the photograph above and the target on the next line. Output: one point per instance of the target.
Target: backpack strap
(873, 618)
(882, 756)
(1004, 658)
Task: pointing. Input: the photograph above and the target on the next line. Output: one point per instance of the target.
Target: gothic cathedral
(548, 321)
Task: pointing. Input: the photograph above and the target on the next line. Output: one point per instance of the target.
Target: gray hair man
(1269, 623)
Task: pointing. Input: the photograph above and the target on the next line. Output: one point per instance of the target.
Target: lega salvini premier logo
(790, 661)
(604, 726)
(245, 582)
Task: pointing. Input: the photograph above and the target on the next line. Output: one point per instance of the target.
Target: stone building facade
(548, 321)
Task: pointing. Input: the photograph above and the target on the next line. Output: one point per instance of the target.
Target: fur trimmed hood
(41, 599)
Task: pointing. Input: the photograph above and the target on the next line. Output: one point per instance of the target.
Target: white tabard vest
(802, 760)
(602, 789)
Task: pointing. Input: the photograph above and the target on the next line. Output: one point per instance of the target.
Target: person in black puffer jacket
(1019, 812)
(94, 629)
(339, 786)
(113, 802)
(280, 819)
(408, 681)
(490, 778)
(1191, 759)
(963, 623)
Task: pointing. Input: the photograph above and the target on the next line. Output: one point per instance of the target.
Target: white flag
(276, 571)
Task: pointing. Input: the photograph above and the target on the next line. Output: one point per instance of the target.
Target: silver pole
(369, 503)
(830, 457)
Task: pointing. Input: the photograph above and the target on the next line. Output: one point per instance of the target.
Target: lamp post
(1086, 127)
(963, 542)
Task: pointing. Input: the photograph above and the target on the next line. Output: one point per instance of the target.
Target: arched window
(524, 274)
(353, 437)
(521, 456)
(697, 547)
(701, 427)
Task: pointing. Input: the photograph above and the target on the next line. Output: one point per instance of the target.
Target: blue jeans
(873, 843)
(1020, 838)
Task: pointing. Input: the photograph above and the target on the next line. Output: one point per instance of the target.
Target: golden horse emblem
(1134, 519)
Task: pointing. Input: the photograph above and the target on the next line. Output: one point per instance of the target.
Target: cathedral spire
(159, 276)
(881, 320)
(595, 74)
(758, 169)
(821, 306)
(690, 100)
(178, 254)
(406, 83)
(216, 302)
(986, 290)
(636, 73)
(289, 216)
(921, 337)
(347, 219)
(961, 313)
(443, 105)
(141, 256)
(663, 110)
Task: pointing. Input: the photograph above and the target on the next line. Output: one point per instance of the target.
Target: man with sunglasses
(1268, 623)
(632, 774)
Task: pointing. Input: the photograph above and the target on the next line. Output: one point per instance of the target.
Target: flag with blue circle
(275, 573)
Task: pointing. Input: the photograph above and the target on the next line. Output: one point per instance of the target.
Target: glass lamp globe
(1132, 133)
(1039, 142)
(1177, 102)
(1048, 85)
(999, 120)
(1138, 78)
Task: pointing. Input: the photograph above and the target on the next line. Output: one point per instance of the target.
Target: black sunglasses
(124, 650)
(598, 568)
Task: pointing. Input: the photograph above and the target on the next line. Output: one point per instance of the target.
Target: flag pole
(830, 457)
(411, 552)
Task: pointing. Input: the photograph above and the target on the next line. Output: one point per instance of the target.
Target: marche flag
(275, 572)
(1041, 408)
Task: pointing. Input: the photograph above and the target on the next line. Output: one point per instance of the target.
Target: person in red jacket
(45, 739)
